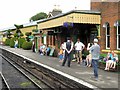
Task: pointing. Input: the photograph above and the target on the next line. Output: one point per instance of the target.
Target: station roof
(74, 16)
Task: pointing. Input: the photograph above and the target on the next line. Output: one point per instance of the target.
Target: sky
(20, 11)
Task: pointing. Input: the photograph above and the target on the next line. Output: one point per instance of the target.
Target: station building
(74, 24)
(110, 23)
(102, 22)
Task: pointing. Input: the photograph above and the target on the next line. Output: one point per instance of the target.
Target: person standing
(79, 46)
(16, 44)
(33, 46)
(68, 50)
(95, 52)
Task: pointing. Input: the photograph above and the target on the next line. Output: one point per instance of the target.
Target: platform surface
(106, 79)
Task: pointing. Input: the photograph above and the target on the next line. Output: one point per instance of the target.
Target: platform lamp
(116, 24)
(19, 40)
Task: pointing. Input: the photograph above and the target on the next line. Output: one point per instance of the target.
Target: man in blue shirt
(95, 52)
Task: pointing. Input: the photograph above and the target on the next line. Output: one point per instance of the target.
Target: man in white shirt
(79, 46)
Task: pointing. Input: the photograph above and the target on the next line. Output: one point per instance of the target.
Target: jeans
(95, 67)
(16, 45)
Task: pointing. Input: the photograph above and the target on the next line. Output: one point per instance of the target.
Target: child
(60, 55)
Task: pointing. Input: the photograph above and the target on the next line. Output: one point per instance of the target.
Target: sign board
(52, 51)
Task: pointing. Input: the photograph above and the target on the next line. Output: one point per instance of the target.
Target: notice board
(52, 51)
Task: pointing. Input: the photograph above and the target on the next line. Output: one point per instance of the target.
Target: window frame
(118, 35)
(107, 27)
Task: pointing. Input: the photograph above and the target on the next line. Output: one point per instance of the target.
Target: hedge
(27, 45)
(7, 42)
(12, 43)
(21, 41)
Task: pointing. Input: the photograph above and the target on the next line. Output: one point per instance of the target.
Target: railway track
(45, 78)
(15, 76)
(41, 79)
(4, 82)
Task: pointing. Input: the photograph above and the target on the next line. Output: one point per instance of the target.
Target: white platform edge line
(64, 74)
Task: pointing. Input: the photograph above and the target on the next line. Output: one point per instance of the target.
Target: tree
(38, 16)
(8, 33)
(28, 34)
(18, 32)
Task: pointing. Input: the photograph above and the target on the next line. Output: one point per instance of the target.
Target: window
(117, 25)
(118, 37)
(107, 36)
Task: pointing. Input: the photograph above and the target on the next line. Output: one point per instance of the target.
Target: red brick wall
(119, 10)
(109, 13)
(95, 6)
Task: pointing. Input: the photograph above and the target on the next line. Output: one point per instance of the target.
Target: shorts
(78, 54)
(61, 56)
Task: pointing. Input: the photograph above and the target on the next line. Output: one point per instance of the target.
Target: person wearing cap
(68, 50)
(95, 53)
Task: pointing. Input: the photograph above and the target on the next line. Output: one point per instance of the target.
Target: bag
(109, 58)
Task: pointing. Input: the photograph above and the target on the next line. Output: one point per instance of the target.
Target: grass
(25, 84)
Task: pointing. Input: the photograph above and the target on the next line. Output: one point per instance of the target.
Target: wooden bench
(102, 65)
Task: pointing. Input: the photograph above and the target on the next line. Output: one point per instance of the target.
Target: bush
(85, 53)
(27, 45)
(7, 42)
(21, 41)
(119, 57)
(12, 43)
(103, 55)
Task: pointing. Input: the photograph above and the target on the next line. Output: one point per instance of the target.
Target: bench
(102, 65)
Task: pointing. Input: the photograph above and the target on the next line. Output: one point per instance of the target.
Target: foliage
(27, 45)
(12, 43)
(8, 33)
(7, 42)
(85, 53)
(38, 16)
(103, 55)
(119, 57)
(18, 31)
(18, 26)
(21, 41)
(35, 30)
(16, 35)
(28, 34)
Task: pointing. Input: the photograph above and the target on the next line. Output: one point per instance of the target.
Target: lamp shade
(106, 24)
(117, 23)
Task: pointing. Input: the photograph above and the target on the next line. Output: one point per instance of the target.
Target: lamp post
(19, 38)
(116, 24)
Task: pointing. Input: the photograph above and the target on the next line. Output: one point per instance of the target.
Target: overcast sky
(19, 11)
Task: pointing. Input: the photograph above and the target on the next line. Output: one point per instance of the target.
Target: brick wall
(109, 13)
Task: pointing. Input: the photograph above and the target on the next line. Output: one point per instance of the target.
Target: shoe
(78, 62)
(61, 61)
(113, 68)
(89, 65)
(96, 79)
(105, 69)
(92, 77)
(74, 60)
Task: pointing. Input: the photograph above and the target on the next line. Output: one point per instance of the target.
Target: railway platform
(77, 72)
